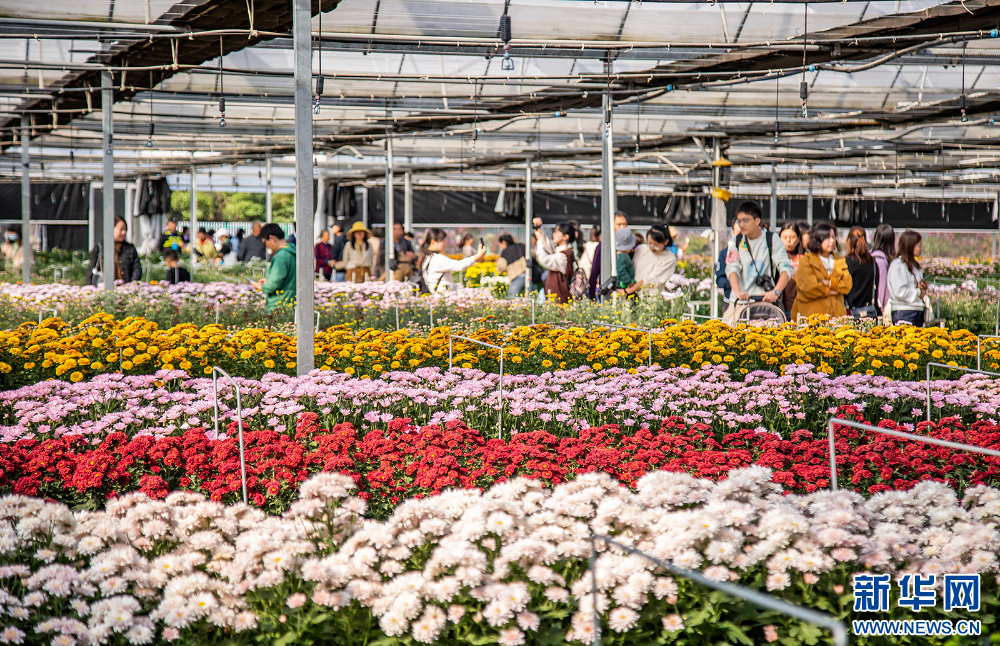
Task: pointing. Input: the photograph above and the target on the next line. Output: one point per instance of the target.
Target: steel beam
(193, 215)
(26, 199)
(529, 239)
(304, 333)
(389, 251)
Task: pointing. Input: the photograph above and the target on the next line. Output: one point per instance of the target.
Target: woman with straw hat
(358, 254)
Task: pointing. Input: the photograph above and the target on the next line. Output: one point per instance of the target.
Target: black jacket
(251, 247)
(128, 260)
(177, 275)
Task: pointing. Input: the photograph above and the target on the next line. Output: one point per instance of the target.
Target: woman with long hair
(861, 266)
(654, 261)
(436, 267)
(906, 283)
(560, 263)
(883, 252)
(822, 276)
(791, 237)
(127, 267)
(588, 255)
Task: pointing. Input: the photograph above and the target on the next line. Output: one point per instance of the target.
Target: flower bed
(508, 566)
(562, 403)
(397, 461)
(33, 353)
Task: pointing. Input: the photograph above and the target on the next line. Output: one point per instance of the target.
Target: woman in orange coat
(822, 277)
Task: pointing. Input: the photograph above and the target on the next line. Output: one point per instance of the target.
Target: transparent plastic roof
(391, 63)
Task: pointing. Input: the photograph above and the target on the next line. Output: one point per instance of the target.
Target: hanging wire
(961, 100)
(222, 87)
(319, 54)
(803, 84)
(638, 112)
(776, 89)
(149, 142)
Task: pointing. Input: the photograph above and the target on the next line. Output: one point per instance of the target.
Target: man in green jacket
(278, 285)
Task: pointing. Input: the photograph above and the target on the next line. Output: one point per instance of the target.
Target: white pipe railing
(451, 338)
(761, 599)
(900, 434)
(944, 365)
(216, 371)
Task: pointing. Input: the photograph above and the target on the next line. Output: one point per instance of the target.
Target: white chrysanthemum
(393, 624)
(11, 635)
(528, 621)
(622, 620)
(511, 637)
(673, 623)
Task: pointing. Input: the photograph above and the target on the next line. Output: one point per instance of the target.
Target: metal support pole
(91, 218)
(947, 367)
(809, 204)
(216, 371)
(774, 198)
(608, 268)
(407, 202)
(304, 334)
(529, 239)
(268, 207)
(107, 127)
(26, 199)
(390, 211)
(193, 214)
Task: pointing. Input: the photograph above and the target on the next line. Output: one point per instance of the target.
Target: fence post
(216, 370)
(42, 310)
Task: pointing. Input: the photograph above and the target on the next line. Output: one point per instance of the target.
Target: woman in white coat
(907, 286)
(654, 261)
(437, 268)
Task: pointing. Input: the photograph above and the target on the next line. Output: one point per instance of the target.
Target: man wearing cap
(252, 246)
(624, 244)
(170, 239)
(204, 248)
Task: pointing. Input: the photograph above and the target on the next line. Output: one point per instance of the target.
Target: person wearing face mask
(11, 247)
(128, 268)
(654, 261)
(560, 263)
(822, 277)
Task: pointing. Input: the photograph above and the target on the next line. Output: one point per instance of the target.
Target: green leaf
(286, 639)
(736, 633)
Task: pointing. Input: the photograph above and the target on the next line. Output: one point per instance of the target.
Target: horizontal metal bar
(73, 223)
(753, 596)
(900, 434)
(97, 25)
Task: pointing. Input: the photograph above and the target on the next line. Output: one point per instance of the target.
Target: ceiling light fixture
(319, 77)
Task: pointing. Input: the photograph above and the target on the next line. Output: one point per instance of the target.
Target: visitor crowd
(797, 271)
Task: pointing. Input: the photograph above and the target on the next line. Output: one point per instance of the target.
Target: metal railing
(649, 332)
(688, 316)
(42, 310)
(216, 371)
(979, 355)
(944, 365)
(532, 301)
(761, 599)
(315, 312)
(451, 338)
(885, 431)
